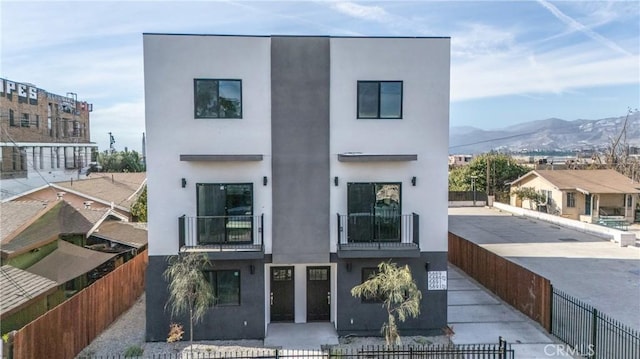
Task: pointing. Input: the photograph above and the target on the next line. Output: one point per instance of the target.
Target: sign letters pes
(26, 93)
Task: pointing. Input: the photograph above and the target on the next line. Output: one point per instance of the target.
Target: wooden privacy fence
(524, 290)
(66, 329)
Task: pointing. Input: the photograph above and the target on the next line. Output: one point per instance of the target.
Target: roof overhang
(220, 158)
(364, 157)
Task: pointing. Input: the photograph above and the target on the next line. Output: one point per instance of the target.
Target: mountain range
(548, 135)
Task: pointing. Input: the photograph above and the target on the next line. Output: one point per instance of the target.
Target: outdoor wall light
(426, 266)
(413, 181)
(264, 181)
(184, 182)
(252, 270)
(335, 181)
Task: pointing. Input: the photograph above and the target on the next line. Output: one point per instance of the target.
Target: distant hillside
(552, 134)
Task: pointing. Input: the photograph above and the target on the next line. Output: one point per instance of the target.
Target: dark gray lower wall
(369, 317)
(219, 322)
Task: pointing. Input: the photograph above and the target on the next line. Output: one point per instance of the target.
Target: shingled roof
(121, 189)
(130, 234)
(69, 261)
(587, 181)
(59, 219)
(14, 215)
(19, 287)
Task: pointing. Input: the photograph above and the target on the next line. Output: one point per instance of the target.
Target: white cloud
(477, 39)
(396, 24)
(372, 13)
(530, 73)
(577, 26)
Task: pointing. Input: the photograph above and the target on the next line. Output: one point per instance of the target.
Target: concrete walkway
(308, 336)
(478, 316)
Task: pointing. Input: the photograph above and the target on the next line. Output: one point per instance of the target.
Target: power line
(495, 139)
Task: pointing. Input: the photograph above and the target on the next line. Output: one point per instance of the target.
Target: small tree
(139, 208)
(530, 194)
(189, 291)
(399, 294)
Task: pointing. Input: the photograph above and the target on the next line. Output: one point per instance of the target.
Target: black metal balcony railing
(378, 230)
(221, 232)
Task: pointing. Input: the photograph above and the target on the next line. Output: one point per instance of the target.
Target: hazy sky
(510, 61)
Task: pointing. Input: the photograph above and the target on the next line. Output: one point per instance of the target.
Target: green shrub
(133, 351)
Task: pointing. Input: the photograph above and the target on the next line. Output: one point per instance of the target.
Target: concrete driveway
(583, 265)
(478, 316)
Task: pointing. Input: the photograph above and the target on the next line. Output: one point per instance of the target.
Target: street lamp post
(473, 188)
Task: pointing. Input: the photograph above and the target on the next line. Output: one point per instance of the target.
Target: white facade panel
(171, 65)
(423, 67)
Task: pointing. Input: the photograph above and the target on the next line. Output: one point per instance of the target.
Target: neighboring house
(117, 191)
(44, 137)
(459, 160)
(583, 195)
(297, 164)
(25, 296)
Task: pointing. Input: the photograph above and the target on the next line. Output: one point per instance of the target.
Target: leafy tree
(124, 161)
(189, 291)
(139, 208)
(530, 194)
(502, 170)
(399, 293)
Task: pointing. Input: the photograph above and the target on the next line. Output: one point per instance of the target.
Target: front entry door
(282, 294)
(318, 294)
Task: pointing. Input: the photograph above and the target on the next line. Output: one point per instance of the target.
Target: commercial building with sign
(297, 164)
(44, 136)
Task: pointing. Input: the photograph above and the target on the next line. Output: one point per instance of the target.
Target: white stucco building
(297, 164)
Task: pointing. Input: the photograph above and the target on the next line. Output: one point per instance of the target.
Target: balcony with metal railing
(364, 235)
(223, 237)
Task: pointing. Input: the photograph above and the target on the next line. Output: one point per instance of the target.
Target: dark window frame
(25, 121)
(203, 210)
(378, 116)
(195, 98)
(12, 119)
(212, 278)
(571, 199)
(366, 273)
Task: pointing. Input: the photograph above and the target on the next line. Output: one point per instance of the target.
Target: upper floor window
(218, 98)
(12, 120)
(225, 212)
(571, 199)
(25, 120)
(379, 99)
(374, 212)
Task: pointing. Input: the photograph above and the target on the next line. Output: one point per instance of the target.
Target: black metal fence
(502, 350)
(589, 332)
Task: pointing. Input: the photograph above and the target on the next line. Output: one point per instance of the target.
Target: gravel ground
(128, 331)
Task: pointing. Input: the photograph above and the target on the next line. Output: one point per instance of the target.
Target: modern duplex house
(297, 164)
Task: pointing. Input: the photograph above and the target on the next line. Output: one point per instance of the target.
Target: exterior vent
(60, 194)
(87, 204)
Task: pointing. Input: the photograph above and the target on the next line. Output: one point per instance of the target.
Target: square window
(380, 99)
(226, 286)
(218, 98)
